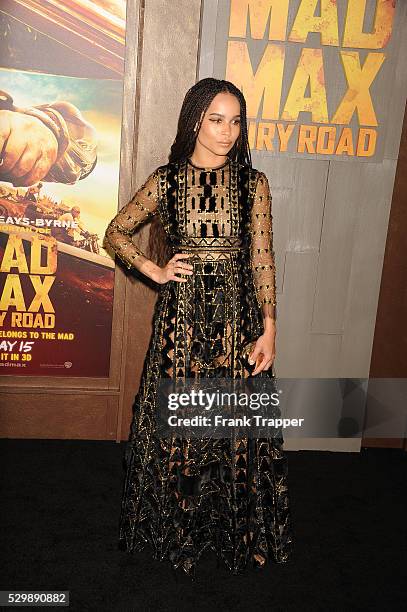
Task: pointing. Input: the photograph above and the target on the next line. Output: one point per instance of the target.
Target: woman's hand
(265, 347)
(173, 267)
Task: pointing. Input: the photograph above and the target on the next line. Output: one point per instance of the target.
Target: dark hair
(196, 102)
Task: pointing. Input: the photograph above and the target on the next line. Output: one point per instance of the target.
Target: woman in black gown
(212, 216)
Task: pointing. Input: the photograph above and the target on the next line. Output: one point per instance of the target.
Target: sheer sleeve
(262, 253)
(141, 207)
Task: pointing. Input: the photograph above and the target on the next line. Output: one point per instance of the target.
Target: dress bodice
(206, 209)
(210, 211)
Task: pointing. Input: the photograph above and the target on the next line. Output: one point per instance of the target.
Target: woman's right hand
(173, 267)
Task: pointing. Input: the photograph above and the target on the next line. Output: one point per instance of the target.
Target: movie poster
(311, 73)
(61, 81)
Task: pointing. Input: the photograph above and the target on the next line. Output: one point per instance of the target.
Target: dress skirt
(183, 496)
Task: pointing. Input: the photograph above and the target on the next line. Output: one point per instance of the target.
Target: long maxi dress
(185, 496)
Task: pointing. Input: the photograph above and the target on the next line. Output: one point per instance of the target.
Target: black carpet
(60, 503)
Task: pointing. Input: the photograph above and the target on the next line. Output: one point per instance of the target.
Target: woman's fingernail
(251, 361)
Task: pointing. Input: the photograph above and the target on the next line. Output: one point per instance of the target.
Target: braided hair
(196, 102)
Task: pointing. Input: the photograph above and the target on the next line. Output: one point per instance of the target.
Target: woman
(216, 303)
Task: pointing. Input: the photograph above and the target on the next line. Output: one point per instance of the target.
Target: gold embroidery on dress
(184, 495)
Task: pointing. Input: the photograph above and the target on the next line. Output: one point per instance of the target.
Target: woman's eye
(236, 121)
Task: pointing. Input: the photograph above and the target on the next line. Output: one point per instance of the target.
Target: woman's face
(220, 127)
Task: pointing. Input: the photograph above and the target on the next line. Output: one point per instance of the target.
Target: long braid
(195, 104)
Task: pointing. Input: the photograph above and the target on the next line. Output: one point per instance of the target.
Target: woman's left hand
(265, 348)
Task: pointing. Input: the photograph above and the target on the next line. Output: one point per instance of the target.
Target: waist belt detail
(230, 243)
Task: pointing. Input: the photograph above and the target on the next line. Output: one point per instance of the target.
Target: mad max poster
(60, 116)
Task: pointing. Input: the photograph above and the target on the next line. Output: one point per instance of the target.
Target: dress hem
(192, 571)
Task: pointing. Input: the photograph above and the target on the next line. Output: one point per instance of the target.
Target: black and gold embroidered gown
(184, 496)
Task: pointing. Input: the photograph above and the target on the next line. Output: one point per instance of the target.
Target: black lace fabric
(183, 496)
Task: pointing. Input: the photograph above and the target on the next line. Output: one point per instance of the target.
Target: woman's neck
(207, 161)
(207, 168)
